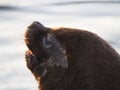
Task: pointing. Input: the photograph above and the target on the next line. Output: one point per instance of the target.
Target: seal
(71, 59)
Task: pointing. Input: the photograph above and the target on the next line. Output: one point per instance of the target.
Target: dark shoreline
(85, 2)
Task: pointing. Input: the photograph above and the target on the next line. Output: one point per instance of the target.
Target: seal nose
(36, 24)
(38, 27)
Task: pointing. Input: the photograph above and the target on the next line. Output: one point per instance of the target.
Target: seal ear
(57, 55)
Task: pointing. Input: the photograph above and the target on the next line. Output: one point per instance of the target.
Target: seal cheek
(37, 68)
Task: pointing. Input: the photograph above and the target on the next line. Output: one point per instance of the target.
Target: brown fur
(92, 63)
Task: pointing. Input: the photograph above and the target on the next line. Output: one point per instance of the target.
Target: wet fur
(92, 63)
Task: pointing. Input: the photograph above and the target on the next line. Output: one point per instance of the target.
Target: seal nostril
(37, 23)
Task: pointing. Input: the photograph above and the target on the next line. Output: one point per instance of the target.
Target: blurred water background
(101, 17)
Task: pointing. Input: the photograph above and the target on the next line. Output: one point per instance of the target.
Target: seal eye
(46, 42)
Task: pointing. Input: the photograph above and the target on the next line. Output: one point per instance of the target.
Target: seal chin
(37, 68)
(30, 59)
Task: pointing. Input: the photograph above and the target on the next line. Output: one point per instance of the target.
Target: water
(15, 16)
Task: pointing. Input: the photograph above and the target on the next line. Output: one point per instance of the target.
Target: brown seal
(71, 59)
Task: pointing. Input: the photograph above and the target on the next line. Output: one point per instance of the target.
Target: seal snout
(34, 34)
(36, 25)
(35, 29)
